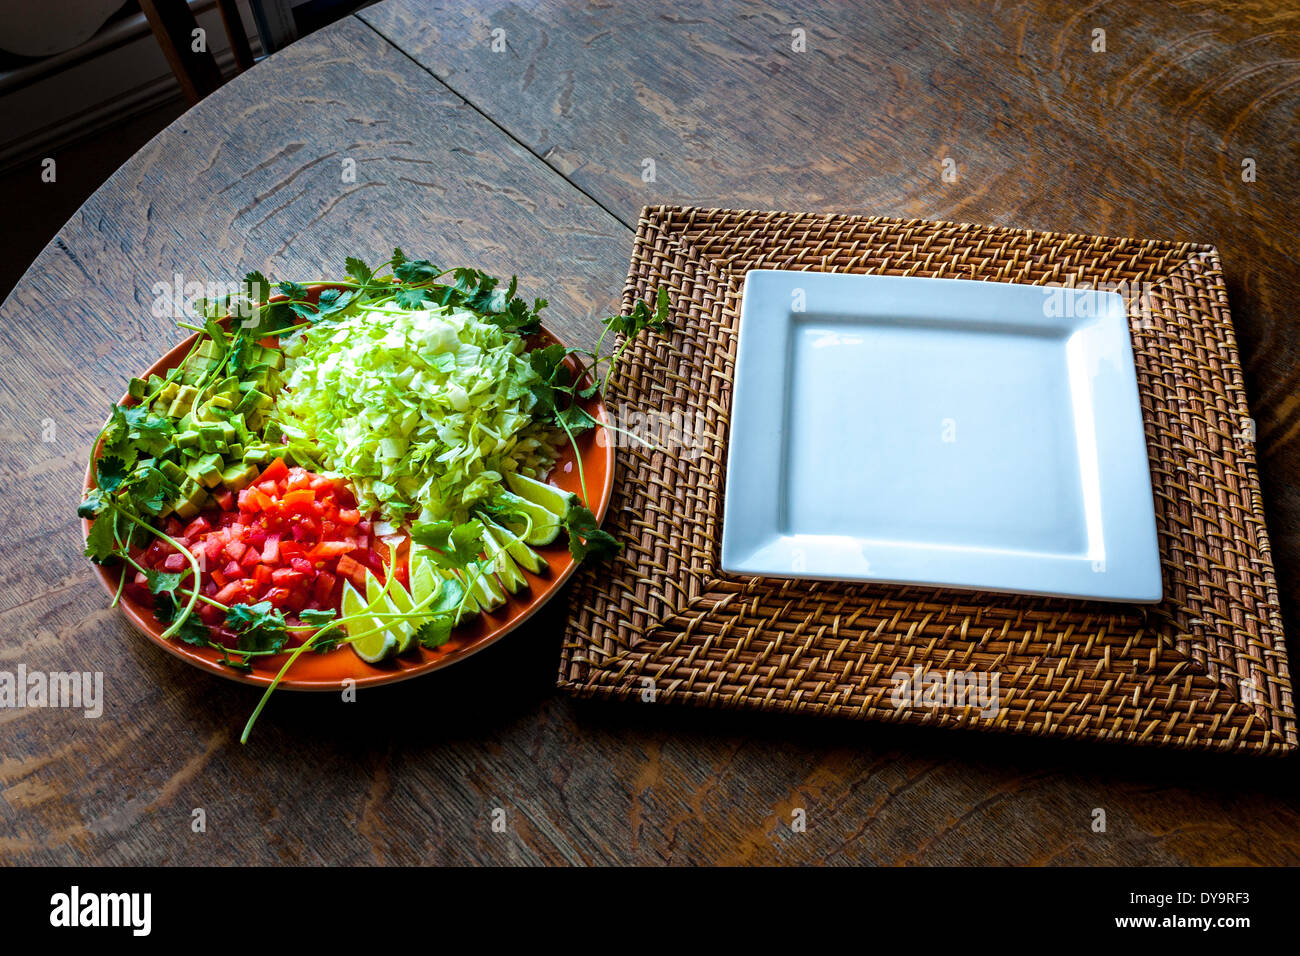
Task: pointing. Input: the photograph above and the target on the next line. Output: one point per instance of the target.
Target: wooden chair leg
(173, 26)
(235, 30)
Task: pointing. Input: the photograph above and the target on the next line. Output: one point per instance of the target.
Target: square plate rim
(1140, 580)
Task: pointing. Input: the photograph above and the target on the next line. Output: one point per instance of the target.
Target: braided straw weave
(1204, 668)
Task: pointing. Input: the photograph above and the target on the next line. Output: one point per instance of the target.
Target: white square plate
(944, 432)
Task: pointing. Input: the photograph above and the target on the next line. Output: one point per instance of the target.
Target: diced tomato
(276, 470)
(198, 526)
(298, 500)
(230, 594)
(286, 577)
(291, 538)
(329, 549)
(354, 572)
(276, 596)
(323, 590)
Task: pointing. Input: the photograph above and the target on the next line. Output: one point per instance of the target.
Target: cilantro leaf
(110, 472)
(412, 298)
(357, 269)
(260, 626)
(101, 542)
(162, 582)
(416, 270)
(294, 290)
(257, 285)
(586, 539)
(166, 608)
(316, 618)
(435, 632)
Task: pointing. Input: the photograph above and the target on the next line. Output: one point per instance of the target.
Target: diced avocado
(207, 470)
(272, 357)
(273, 432)
(258, 455)
(220, 401)
(238, 475)
(165, 397)
(183, 401)
(254, 399)
(212, 438)
(137, 388)
(192, 498)
(187, 439)
(235, 452)
(174, 472)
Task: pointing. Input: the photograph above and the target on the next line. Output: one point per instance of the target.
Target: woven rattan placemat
(1204, 668)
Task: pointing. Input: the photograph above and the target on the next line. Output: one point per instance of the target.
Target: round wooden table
(525, 142)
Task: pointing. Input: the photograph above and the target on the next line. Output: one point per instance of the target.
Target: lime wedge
(545, 526)
(555, 500)
(484, 587)
(386, 602)
(425, 583)
(524, 556)
(504, 565)
(373, 647)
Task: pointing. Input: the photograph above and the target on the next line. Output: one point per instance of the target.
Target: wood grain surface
(531, 160)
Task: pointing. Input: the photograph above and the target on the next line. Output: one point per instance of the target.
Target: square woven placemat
(1204, 668)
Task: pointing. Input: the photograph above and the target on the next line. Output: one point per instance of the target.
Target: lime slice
(425, 583)
(387, 602)
(373, 647)
(555, 500)
(524, 556)
(485, 588)
(545, 526)
(470, 606)
(504, 565)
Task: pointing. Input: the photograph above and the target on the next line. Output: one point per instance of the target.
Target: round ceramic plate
(328, 671)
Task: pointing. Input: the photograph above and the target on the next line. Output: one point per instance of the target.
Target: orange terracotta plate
(328, 671)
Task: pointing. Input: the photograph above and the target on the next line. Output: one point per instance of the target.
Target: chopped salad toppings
(364, 463)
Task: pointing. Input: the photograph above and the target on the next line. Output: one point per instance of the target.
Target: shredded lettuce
(424, 411)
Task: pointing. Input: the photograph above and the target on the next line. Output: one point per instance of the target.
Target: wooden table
(534, 158)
